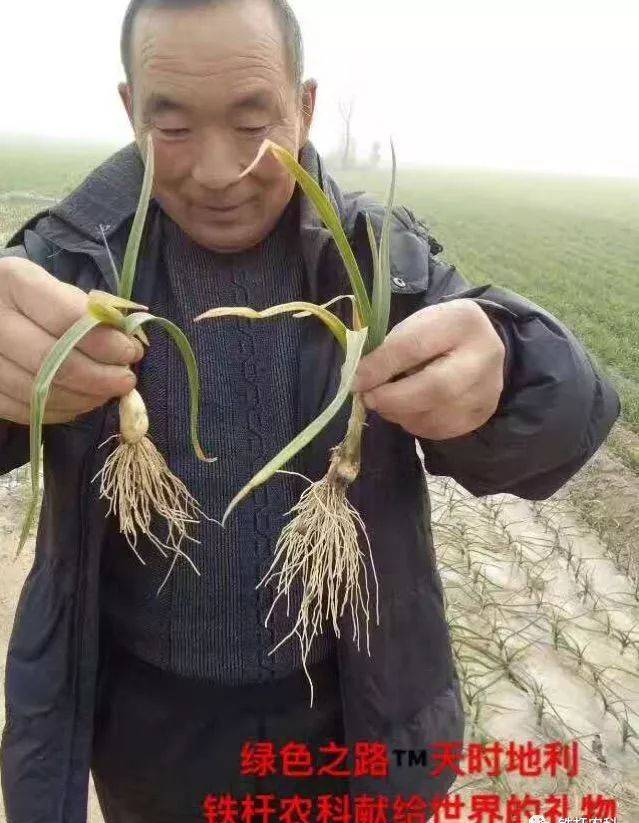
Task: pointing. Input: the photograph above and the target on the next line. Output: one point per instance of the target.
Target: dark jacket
(555, 412)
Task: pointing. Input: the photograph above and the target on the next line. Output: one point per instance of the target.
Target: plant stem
(347, 457)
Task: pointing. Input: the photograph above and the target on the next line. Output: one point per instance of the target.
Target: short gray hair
(286, 16)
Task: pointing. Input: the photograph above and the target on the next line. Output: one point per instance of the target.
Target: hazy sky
(536, 84)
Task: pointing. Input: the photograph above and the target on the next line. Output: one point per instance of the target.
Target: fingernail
(136, 352)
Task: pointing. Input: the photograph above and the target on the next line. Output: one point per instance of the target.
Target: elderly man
(158, 694)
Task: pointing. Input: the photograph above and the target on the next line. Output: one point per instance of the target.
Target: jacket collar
(106, 199)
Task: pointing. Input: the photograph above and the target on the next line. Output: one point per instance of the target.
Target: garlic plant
(135, 479)
(320, 546)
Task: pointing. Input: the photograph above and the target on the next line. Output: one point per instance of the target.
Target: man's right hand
(35, 311)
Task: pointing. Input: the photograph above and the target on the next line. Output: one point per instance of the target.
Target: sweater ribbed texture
(213, 626)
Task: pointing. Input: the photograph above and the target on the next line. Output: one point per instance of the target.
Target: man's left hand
(439, 374)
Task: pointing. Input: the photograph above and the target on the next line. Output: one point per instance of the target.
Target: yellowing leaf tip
(267, 145)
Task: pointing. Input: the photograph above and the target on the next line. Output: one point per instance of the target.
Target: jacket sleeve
(556, 409)
(14, 439)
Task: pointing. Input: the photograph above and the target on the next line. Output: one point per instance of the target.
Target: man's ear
(126, 95)
(309, 95)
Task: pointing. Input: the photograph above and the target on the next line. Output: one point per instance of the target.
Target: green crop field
(569, 244)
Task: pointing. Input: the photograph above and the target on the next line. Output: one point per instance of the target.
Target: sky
(542, 85)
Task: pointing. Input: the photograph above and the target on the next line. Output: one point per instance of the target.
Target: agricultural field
(569, 244)
(542, 599)
(543, 614)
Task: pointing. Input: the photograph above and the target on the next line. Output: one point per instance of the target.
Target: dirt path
(542, 608)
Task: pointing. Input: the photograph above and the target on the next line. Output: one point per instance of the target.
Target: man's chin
(227, 240)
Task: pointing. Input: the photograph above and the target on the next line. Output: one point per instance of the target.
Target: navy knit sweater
(213, 626)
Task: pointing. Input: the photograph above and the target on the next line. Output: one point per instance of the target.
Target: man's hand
(439, 374)
(35, 311)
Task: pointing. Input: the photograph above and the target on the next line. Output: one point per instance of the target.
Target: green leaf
(370, 345)
(355, 341)
(114, 268)
(135, 237)
(382, 278)
(328, 318)
(39, 395)
(330, 218)
(134, 322)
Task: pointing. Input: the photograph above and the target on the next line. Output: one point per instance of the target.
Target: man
(158, 694)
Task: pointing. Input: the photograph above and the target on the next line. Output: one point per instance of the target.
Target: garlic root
(138, 484)
(321, 547)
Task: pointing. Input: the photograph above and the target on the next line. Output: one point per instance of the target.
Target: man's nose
(217, 164)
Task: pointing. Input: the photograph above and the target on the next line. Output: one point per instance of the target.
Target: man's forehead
(208, 40)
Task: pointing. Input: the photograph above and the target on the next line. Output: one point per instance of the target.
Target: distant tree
(376, 155)
(346, 111)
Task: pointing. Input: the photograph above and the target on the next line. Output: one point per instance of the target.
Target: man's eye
(174, 133)
(252, 130)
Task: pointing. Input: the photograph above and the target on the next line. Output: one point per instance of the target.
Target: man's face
(210, 83)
